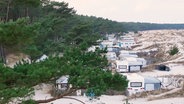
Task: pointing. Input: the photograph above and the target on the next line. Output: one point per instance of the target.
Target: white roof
(42, 58)
(134, 77)
(130, 58)
(127, 55)
(129, 61)
(116, 46)
(124, 52)
(141, 59)
(121, 62)
(63, 79)
(149, 79)
(92, 48)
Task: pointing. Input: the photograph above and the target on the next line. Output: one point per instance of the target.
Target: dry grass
(150, 47)
(176, 62)
(163, 40)
(148, 93)
(179, 93)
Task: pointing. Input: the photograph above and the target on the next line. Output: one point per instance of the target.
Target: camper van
(128, 66)
(135, 84)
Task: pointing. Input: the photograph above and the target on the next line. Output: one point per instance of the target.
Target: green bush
(174, 50)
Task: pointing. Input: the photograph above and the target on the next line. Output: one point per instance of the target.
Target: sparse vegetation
(179, 93)
(174, 50)
(148, 93)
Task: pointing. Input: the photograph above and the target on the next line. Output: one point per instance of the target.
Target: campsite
(147, 85)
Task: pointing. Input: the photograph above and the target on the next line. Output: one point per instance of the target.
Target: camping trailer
(124, 53)
(142, 61)
(128, 66)
(135, 84)
(126, 41)
(62, 82)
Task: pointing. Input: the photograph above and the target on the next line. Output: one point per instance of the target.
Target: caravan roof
(63, 79)
(134, 77)
(130, 58)
(119, 62)
(124, 52)
(149, 79)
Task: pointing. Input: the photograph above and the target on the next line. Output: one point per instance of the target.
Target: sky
(152, 11)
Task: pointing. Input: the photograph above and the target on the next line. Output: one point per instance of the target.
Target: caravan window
(136, 84)
(122, 66)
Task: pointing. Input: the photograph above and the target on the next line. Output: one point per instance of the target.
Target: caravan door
(149, 87)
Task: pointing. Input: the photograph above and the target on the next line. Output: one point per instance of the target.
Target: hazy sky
(154, 11)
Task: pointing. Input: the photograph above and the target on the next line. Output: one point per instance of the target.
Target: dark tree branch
(60, 96)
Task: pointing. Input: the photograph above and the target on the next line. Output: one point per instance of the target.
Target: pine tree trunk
(27, 12)
(7, 12)
(2, 54)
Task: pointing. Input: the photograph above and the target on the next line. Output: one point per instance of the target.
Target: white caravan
(124, 53)
(135, 84)
(128, 65)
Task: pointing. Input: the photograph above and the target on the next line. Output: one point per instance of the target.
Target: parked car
(162, 67)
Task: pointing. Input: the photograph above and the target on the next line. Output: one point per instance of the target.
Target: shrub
(174, 50)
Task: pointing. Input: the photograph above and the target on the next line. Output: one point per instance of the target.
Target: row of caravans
(124, 61)
(136, 84)
(128, 61)
(125, 42)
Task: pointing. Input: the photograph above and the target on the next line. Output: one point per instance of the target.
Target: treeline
(133, 26)
(103, 26)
